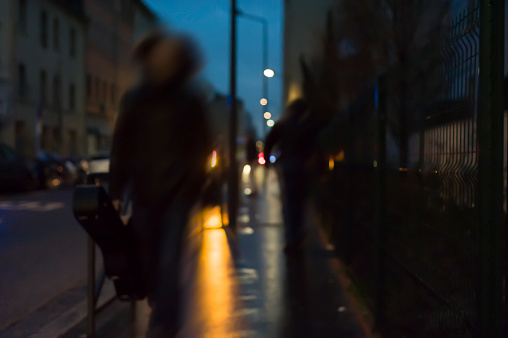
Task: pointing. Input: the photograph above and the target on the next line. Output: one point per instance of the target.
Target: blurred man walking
(293, 135)
(159, 153)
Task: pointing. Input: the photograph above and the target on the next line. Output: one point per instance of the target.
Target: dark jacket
(160, 145)
(295, 139)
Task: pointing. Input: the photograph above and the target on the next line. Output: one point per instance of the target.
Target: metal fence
(417, 207)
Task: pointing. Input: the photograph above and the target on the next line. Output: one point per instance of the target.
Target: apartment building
(113, 28)
(304, 23)
(42, 75)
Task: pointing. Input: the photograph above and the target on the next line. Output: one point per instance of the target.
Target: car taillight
(261, 158)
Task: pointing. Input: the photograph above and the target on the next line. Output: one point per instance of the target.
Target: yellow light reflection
(212, 218)
(295, 91)
(331, 163)
(225, 217)
(340, 156)
(214, 159)
(218, 287)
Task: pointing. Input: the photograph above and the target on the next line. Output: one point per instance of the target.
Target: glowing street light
(269, 73)
(267, 115)
(270, 123)
(263, 102)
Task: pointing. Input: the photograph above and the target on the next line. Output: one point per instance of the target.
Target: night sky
(208, 21)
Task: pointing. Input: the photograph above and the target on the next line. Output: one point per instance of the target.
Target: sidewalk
(247, 287)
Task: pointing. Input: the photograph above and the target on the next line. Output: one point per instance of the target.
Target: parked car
(15, 172)
(99, 163)
(81, 165)
(53, 171)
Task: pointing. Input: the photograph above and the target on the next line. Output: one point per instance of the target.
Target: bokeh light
(269, 73)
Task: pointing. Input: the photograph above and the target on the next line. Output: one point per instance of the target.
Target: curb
(365, 319)
(59, 315)
(75, 315)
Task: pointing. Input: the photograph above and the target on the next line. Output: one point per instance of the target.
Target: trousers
(159, 233)
(293, 184)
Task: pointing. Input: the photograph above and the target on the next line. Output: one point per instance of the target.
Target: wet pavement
(245, 286)
(297, 295)
(42, 253)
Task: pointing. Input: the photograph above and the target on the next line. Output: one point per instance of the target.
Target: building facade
(144, 20)
(42, 76)
(304, 21)
(113, 28)
(5, 59)
(64, 66)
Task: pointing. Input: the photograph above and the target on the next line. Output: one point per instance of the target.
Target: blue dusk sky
(208, 21)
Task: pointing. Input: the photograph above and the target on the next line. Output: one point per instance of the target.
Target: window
(22, 16)
(88, 86)
(97, 88)
(72, 42)
(56, 34)
(44, 29)
(73, 141)
(113, 94)
(72, 97)
(43, 89)
(57, 138)
(19, 135)
(56, 92)
(104, 92)
(22, 81)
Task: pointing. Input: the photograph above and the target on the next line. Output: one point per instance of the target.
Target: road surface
(42, 252)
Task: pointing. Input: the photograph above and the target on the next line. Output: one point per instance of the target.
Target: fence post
(380, 170)
(490, 190)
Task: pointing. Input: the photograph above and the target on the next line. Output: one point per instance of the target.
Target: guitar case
(94, 210)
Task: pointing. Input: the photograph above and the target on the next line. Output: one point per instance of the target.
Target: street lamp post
(265, 66)
(233, 127)
(264, 22)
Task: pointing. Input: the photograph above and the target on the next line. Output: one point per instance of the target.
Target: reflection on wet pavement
(215, 305)
(259, 292)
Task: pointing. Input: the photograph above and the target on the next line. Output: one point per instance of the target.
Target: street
(42, 251)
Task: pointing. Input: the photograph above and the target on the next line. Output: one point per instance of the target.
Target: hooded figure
(293, 135)
(159, 153)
